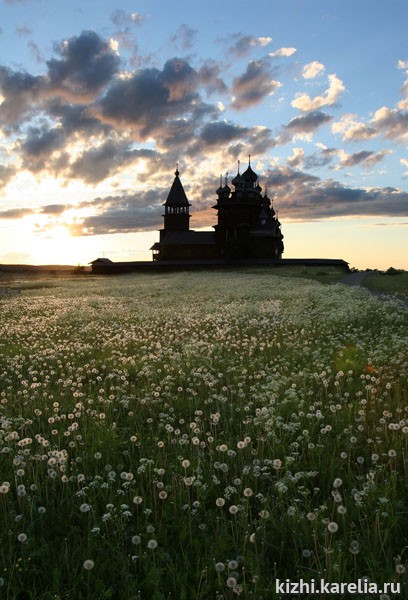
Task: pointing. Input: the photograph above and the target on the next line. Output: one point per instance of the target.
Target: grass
(388, 282)
(198, 435)
(320, 274)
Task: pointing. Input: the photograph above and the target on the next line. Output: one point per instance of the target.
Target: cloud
(6, 174)
(402, 64)
(184, 38)
(180, 79)
(150, 98)
(123, 19)
(87, 64)
(53, 209)
(306, 124)
(260, 140)
(404, 163)
(36, 52)
(312, 70)
(243, 44)
(96, 164)
(76, 119)
(305, 103)
(297, 158)
(209, 76)
(364, 157)
(221, 132)
(21, 92)
(282, 52)
(303, 197)
(252, 87)
(137, 17)
(86, 118)
(352, 130)
(123, 214)
(39, 145)
(23, 30)
(227, 137)
(323, 157)
(392, 123)
(15, 213)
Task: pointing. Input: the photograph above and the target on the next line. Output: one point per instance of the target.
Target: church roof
(177, 195)
(249, 175)
(191, 237)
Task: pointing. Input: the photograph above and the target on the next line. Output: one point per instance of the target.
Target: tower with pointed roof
(177, 207)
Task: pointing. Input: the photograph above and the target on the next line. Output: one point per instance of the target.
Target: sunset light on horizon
(100, 101)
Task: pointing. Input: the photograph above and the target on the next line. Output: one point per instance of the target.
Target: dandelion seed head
(231, 582)
(332, 527)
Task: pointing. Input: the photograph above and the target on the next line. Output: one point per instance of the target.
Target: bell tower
(176, 208)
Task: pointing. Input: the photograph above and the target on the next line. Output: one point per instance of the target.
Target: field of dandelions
(198, 435)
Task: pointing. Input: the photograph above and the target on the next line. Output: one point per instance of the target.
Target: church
(247, 232)
(247, 224)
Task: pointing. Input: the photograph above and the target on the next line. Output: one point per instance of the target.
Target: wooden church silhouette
(247, 224)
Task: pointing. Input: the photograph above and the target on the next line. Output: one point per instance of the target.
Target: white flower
(332, 527)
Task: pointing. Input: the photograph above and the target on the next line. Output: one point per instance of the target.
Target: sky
(101, 99)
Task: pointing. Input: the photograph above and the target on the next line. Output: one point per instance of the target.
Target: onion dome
(249, 176)
(220, 189)
(226, 186)
(238, 181)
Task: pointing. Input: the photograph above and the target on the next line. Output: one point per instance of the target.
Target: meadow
(198, 435)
